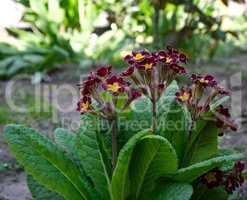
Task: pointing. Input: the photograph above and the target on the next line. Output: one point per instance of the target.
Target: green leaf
(66, 140)
(141, 162)
(153, 157)
(245, 174)
(221, 101)
(206, 144)
(171, 191)
(174, 126)
(120, 178)
(39, 192)
(203, 193)
(93, 156)
(194, 171)
(46, 163)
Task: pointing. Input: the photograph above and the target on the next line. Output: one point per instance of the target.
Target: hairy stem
(154, 116)
(114, 141)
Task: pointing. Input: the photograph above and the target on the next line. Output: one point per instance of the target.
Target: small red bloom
(128, 72)
(134, 94)
(146, 64)
(223, 118)
(183, 58)
(178, 69)
(115, 85)
(104, 71)
(221, 90)
(136, 56)
(213, 178)
(235, 178)
(183, 95)
(84, 105)
(206, 81)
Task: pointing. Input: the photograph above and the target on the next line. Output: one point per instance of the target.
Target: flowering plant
(141, 137)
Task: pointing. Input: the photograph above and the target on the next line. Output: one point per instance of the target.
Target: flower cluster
(199, 96)
(99, 82)
(231, 180)
(153, 72)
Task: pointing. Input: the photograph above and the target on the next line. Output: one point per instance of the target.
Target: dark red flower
(221, 90)
(213, 178)
(183, 58)
(147, 63)
(134, 94)
(89, 84)
(136, 56)
(235, 179)
(128, 72)
(104, 71)
(84, 105)
(183, 95)
(223, 118)
(178, 69)
(115, 85)
(207, 80)
(161, 55)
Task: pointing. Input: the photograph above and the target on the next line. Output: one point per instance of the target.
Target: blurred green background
(94, 32)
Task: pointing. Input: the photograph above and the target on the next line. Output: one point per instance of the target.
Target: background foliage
(97, 32)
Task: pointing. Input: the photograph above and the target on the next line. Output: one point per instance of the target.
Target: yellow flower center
(113, 87)
(203, 81)
(185, 96)
(169, 59)
(85, 106)
(138, 56)
(211, 177)
(148, 66)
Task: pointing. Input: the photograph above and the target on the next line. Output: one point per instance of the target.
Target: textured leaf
(174, 126)
(139, 116)
(120, 178)
(66, 140)
(92, 155)
(245, 174)
(39, 192)
(152, 158)
(194, 171)
(141, 162)
(46, 163)
(203, 193)
(171, 191)
(206, 144)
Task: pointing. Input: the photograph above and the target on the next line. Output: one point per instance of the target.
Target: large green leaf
(93, 156)
(174, 126)
(194, 171)
(152, 158)
(205, 145)
(171, 191)
(120, 179)
(173, 119)
(46, 163)
(141, 162)
(39, 192)
(203, 193)
(66, 140)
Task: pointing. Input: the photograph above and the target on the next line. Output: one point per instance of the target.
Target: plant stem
(154, 116)
(114, 141)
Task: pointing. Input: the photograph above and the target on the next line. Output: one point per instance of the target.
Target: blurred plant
(96, 32)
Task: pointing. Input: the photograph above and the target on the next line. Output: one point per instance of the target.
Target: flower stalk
(114, 124)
